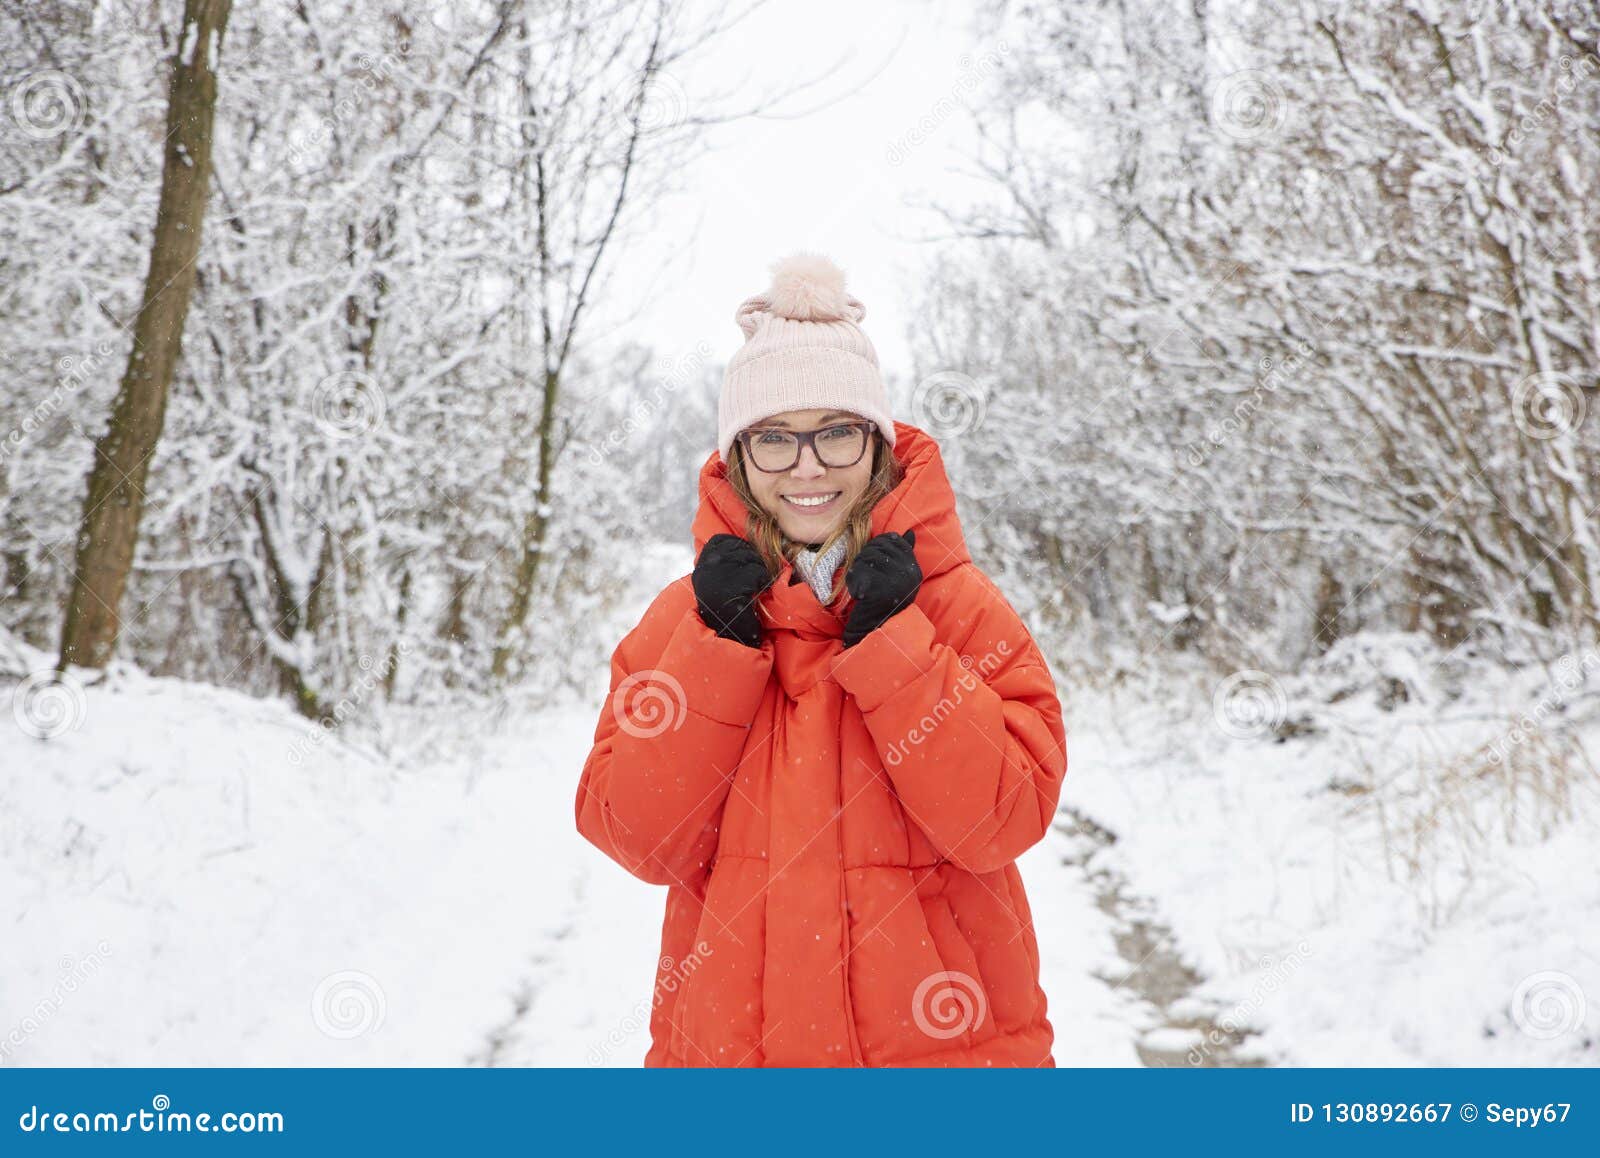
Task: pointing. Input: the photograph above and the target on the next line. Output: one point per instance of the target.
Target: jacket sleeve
(669, 739)
(972, 740)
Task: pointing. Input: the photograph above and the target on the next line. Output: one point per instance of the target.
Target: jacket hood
(923, 501)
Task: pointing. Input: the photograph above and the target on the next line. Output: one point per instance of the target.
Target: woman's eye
(836, 433)
(772, 438)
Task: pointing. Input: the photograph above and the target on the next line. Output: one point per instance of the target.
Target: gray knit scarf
(817, 567)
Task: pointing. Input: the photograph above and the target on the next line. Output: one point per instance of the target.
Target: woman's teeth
(813, 501)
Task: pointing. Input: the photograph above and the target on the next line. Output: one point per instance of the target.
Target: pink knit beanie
(803, 350)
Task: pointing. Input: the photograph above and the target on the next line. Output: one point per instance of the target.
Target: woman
(833, 739)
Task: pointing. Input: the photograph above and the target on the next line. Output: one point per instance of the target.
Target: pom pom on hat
(810, 287)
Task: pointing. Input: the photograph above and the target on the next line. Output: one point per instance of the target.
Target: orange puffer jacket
(838, 827)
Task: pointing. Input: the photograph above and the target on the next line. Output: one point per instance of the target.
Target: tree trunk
(534, 529)
(110, 529)
(1328, 621)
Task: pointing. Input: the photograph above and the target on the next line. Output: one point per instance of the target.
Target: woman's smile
(813, 503)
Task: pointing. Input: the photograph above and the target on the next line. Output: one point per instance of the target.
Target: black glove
(727, 578)
(883, 579)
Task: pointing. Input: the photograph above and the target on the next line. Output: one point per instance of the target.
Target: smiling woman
(812, 491)
(804, 420)
(843, 887)
(819, 505)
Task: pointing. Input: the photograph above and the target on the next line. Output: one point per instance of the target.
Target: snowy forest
(1261, 339)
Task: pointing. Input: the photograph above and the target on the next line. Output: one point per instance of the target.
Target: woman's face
(810, 499)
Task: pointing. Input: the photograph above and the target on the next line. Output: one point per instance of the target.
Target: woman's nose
(808, 466)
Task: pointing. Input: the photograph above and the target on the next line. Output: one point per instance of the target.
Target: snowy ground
(182, 894)
(188, 877)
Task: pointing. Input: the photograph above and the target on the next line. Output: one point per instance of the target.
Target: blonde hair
(776, 548)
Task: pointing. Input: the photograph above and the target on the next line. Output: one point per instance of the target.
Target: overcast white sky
(835, 175)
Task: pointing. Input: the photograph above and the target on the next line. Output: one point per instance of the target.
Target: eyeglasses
(775, 450)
